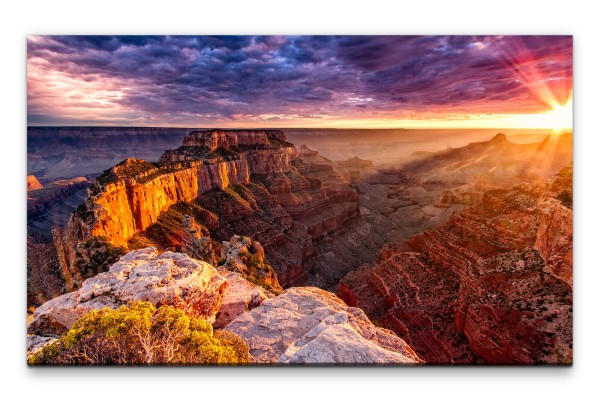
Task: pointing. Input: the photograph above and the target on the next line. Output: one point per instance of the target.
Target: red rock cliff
(491, 285)
(287, 204)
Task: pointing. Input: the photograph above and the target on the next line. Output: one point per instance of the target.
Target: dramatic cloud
(229, 81)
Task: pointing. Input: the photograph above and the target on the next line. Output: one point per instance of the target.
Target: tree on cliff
(140, 334)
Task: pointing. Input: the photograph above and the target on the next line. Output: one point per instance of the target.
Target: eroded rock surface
(144, 275)
(491, 285)
(240, 296)
(313, 326)
(231, 182)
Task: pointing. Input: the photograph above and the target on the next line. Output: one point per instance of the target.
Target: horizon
(564, 130)
(343, 82)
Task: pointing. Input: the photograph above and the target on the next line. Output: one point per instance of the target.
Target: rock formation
(247, 257)
(311, 326)
(235, 182)
(491, 285)
(143, 275)
(240, 296)
(497, 162)
(302, 325)
(195, 242)
(33, 183)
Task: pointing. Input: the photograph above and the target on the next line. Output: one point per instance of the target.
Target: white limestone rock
(142, 275)
(312, 326)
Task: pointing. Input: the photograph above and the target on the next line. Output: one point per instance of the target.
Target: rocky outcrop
(311, 326)
(554, 239)
(33, 183)
(257, 186)
(143, 275)
(128, 198)
(36, 343)
(195, 242)
(247, 257)
(491, 285)
(240, 296)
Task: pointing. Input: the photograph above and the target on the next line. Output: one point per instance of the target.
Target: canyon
(65, 152)
(491, 285)
(247, 182)
(300, 326)
(452, 256)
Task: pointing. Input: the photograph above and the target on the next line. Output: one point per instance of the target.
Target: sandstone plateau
(491, 285)
(231, 182)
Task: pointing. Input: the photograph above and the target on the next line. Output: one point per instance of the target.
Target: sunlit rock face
(253, 183)
(492, 285)
(215, 138)
(311, 326)
(33, 183)
(144, 275)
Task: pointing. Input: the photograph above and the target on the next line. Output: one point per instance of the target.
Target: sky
(301, 81)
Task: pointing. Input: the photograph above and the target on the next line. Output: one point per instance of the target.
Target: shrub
(140, 334)
(97, 255)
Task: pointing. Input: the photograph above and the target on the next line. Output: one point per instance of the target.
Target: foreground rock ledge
(307, 325)
(143, 275)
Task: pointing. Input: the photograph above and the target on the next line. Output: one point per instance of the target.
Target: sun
(560, 117)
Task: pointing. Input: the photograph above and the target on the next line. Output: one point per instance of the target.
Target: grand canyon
(433, 245)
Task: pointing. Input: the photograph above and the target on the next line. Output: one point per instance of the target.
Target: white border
(299, 17)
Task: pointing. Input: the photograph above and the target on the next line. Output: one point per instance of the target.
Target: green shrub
(140, 334)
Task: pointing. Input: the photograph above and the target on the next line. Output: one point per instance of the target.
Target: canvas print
(304, 200)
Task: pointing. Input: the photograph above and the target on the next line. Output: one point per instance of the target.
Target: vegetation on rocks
(141, 334)
(259, 271)
(96, 255)
(166, 233)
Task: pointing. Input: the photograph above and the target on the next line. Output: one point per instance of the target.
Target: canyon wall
(492, 285)
(247, 182)
(130, 197)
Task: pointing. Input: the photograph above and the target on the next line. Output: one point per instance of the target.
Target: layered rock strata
(248, 182)
(492, 285)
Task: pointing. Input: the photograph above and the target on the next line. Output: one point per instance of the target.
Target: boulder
(311, 326)
(142, 275)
